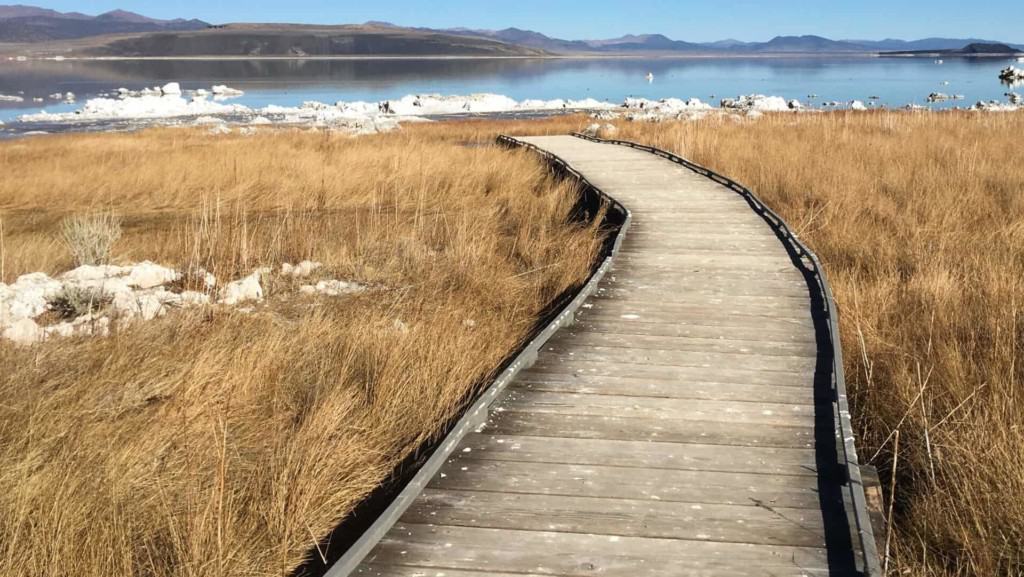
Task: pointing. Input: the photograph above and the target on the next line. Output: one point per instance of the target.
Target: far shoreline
(780, 55)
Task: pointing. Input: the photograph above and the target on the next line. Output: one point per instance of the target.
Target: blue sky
(577, 19)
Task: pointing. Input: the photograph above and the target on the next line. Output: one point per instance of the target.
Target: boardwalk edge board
(476, 415)
(840, 404)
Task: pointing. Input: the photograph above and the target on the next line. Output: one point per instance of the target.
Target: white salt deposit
(27, 297)
(112, 278)
(85, 325)
(332, 288)
(758, 102)
(995, 106)
(1011, 74)
(171, 89)
(130, 293)
(301, 270)
(239, 291)
(144, 304)
(23, 332)
(222, 91)
(137, 107)
(169, 104)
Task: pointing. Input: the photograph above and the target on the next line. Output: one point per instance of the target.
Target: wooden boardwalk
(680, 427)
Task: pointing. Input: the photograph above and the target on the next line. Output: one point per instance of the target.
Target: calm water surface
(896, 81)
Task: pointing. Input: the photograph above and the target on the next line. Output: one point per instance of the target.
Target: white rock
(143, 105)
(1011, 74)
(301, 270)
(85, 325)
(114, 279)
(27, 297)
(144, 304)
(209, 280)
(148, 275)
(758, 102)
(171, 89)
(246, 289)
(592, 130)
(24, 331)
(226, 91)
(193, 298)
(332, 288)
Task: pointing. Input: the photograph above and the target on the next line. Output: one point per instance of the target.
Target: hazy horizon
(747, 21)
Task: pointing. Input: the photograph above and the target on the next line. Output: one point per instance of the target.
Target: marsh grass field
(220, 443)
(919, 221)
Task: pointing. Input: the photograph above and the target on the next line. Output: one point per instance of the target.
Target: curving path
(682, 426)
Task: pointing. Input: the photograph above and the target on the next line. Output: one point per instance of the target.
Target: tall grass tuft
(91, 238)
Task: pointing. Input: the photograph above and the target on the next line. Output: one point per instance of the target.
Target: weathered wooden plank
(671, 272)
(580, 555)
(581, 336)
(643, 454)
(710, 361)
(721, 374)
(622, 517)
(568, 383)
(704, 306)
(670, 311)
(604, 311)
(750, 264)
(646, 294)
(737, 413)
(385, 570)
(749, 489)
(664, 430)
(737, 332)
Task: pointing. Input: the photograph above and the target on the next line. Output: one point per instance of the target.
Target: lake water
(896, 81)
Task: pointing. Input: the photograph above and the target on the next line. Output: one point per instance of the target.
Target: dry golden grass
(919, 220)
(212, 442)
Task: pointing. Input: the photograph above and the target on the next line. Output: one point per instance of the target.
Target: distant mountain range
(20, 23)
(41, 31)
(663, 44)
(973, 49)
